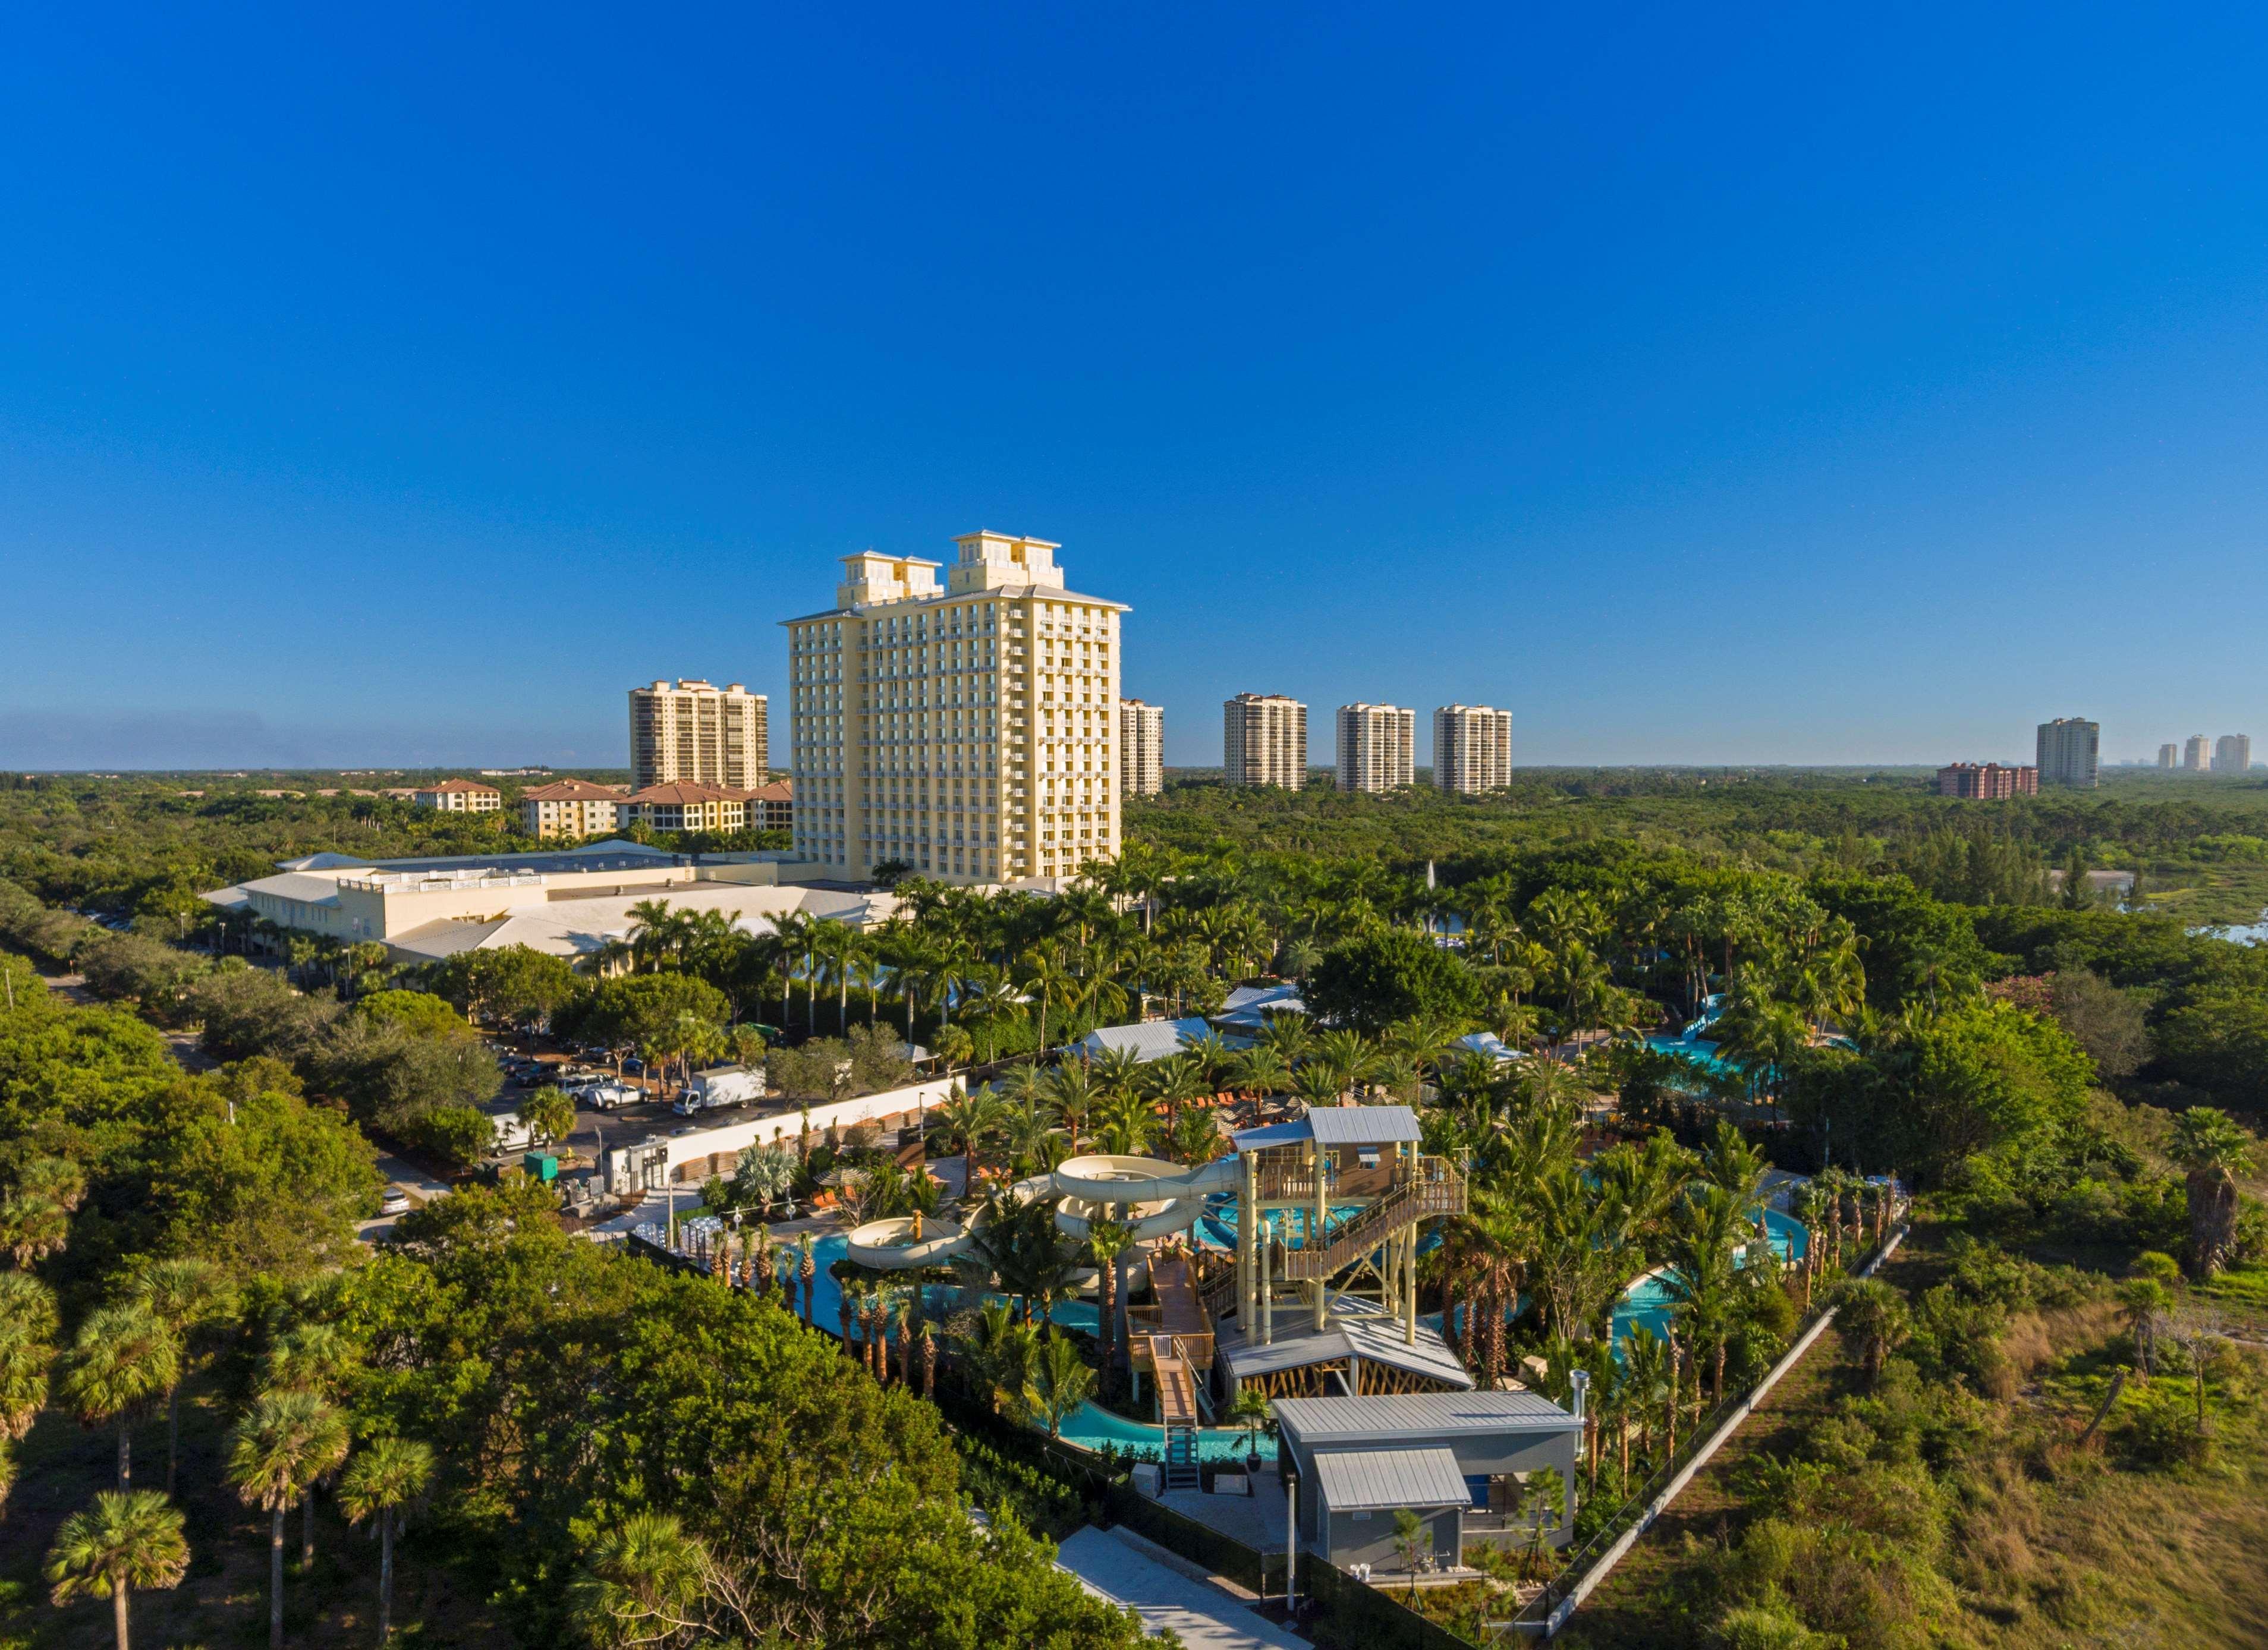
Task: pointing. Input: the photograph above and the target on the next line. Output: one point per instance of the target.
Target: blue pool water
(1094, 1428)
(826, 1295)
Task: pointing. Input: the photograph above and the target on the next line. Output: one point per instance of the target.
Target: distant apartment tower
(1263, 741)
(1988, 782)
(1472, 748)
(2232, 752)
(2170, 756)
(695, 732)
(1141, 747)
(1378, 747)
(2067, 749)
(2196, 753)
(459, 796)
(571, 807)
(967, 727)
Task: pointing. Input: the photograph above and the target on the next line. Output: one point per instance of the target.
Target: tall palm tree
(1048, 982)
(286, 1442)
(315, 1357)
(124, 1541)
(27, 1331)
(383, 1481)
(35, 1213)
(124, 1358)
(653, 929)
(186, 1295)
(2213, 1150)
(1072, 1091)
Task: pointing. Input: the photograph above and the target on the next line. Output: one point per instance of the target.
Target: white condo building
(2197, 754)
(968, 730)
(1263, 741)
(1472, 748)
(2232, 752)
(695, 732)
(1378, 747)
(1141, 747)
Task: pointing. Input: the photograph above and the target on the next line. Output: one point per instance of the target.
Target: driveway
(1115, 1564)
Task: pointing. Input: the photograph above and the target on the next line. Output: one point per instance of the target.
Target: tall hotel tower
(1142, 747)
(970, 730)
(1263, 741)
(1377, 747)
(693, 731)
(1472, 748)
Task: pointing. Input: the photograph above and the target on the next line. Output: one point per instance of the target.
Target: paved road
(1206, 1617)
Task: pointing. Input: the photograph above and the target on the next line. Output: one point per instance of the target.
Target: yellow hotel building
(968, 730)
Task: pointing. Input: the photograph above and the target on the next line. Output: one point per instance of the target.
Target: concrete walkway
(1205, 1616)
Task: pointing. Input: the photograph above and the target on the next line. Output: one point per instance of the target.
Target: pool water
(1093, 1427)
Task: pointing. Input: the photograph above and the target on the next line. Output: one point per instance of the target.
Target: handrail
(1434, 1190)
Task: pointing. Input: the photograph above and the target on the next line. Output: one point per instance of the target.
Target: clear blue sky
(1704, 384)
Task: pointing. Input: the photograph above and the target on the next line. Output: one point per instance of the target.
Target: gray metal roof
(1371, 1480)
(1338, 1125)
(1363, 1125)
(1151, 1040)
(1319, 1422)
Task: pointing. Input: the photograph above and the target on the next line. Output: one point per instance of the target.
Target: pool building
(1460, 1461)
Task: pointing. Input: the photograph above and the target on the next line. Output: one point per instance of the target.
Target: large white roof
(575, 928)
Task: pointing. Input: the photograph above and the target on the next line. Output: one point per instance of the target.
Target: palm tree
(125, 1540)
(1874, 1314)
(1070, 1088)
(653, 930)
(186, 1295)
(1048, 982)
(1646, 1379)
(317, 1358)
(35, 1213)
(806, 1269)
(286, 1442)
(1251, 1411)
(27, 1331)
(124, 1356)
(2213, 1150)
(1057, 1382)
(384, 1480)
(1108, 1241)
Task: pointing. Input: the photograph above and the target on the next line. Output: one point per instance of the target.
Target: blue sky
(1702, 384)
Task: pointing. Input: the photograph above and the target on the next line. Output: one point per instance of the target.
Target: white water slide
(1158, 1198)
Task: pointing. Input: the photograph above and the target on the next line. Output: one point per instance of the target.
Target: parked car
(396, 1201)
(606, 1096)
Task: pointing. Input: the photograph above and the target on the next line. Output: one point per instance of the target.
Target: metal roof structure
(1320, 1423)
(1359, 1328)
(1151, 1040)
(1374, 1480)
(1338, 1125)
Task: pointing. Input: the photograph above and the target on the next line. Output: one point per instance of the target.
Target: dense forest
(591, 1445)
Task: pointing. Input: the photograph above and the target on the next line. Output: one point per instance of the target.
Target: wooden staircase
(1432, 1187)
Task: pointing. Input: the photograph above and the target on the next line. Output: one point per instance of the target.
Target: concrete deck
(1122, 1568)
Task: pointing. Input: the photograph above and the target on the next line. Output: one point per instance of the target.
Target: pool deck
(1255, 1519)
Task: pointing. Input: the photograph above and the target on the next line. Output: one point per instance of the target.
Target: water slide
(1158, 1198)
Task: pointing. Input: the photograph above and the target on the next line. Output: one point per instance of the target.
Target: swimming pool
(1093, 1427)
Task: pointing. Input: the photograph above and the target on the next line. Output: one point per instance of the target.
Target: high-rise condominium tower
(1263, 741)
(1378, 747)
(2168, 756)
(969, 730)
(1141, 747)
(2232, 752)
(1472, 748)
(698, 732)
(2197, 752)
(2067, 751)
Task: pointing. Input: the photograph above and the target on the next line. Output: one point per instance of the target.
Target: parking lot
(597, 1129)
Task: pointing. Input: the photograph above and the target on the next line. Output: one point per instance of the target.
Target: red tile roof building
(1987, 783)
